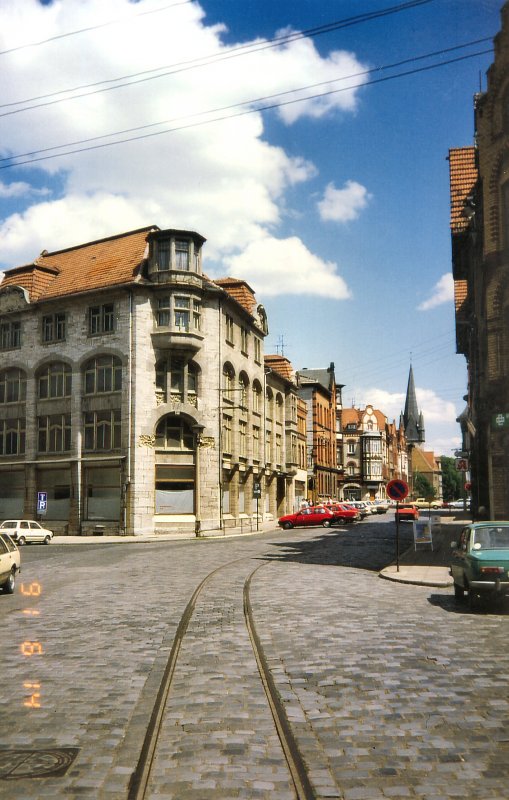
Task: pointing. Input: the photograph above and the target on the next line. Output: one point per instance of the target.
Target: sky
(307, 140)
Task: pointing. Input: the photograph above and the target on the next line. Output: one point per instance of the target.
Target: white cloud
(443, 292)
(442, 430)
(286, 266)
(223, 179)
(20, 189)
(343, 205)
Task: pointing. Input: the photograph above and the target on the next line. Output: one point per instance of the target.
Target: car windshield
(491, 538)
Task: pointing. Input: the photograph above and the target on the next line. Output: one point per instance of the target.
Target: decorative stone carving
(147, 440)
(206, 441)
(13, 298)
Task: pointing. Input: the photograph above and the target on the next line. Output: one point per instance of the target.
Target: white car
(10, 563)
(26, 530)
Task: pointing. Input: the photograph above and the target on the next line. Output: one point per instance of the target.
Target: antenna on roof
(280, 347)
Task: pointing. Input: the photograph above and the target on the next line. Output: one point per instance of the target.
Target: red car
(407, 511)
(344, 512)
(313, 515)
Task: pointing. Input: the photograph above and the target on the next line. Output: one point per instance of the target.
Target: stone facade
(134, 393)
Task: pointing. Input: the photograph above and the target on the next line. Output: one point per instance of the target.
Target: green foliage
(422, 487)
(452, 479)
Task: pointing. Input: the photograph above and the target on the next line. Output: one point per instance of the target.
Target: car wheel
(47, 539)
(287, 526)
(9, 584)
(21, 540)
(459, 593)
(326, 523)
(341, 520)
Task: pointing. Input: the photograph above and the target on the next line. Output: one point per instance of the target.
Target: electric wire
(269, 107)
(93, 27)
(147, 126)
(203, 61)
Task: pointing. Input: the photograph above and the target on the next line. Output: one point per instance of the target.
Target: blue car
(480, 562)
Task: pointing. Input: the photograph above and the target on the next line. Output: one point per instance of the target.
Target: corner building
(479, 193)
(133, 392)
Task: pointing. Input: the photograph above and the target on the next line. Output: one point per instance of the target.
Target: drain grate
(17, 764)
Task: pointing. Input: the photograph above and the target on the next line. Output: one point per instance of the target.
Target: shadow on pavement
(362, 546)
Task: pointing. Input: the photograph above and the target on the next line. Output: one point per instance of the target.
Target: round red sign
(397, 489)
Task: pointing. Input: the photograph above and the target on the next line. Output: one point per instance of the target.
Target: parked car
(361, 508)
(460, 504)
(407, 511)
(343, 512)
(10, 563)
(421, 502)
(26, 530)
(382, 506)
(313, 515)
(480, 561)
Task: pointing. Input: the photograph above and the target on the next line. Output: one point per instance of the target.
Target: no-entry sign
(397, 489)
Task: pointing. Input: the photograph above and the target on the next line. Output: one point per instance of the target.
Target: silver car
(26, 530)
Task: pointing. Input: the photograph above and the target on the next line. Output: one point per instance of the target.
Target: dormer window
(176, 251)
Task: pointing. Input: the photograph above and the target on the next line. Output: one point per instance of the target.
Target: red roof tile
(281, 365)
(463, 175)
(95, 265)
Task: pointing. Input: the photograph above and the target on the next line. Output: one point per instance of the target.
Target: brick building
(133, 390)
(479, 184)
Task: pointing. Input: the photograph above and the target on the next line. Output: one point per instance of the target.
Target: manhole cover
(17, 764)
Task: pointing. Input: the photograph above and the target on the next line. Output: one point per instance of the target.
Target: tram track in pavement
(140, 779)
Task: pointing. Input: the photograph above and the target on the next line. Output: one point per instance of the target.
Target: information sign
(257, 490)
(42, 502)
(397, 489)
(500, 421)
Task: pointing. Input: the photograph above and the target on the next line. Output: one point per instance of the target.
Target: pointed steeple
(412, 419)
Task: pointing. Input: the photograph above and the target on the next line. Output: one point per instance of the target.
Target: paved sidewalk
(246, 530)
(424, 566)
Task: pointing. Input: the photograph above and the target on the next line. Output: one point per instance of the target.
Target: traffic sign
(397, 489)
(462, 464)
(42, 502)
(257, 490)
(468, 486)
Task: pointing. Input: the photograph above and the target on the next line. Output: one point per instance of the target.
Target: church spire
(412, 419)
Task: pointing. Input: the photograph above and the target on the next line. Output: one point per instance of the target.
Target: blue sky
(335, 208)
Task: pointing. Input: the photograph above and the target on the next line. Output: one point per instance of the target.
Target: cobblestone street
(391, 690)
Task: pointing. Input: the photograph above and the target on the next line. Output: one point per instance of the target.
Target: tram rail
(140, 779)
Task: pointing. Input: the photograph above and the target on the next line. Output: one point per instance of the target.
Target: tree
(422, 486)
(452, 479)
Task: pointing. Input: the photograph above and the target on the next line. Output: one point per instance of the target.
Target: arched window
(257, 397)
(243, 390)
(13, 386)
(228, 383)
(279, 407)
(54, 433)
(54, 380)
(103, 374)
(173, 433)
(12, 437)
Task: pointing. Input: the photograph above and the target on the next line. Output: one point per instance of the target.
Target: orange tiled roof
(281, 365)
(96, 265)
(463, 176)
(240, 291)
(460, 293)
(349, 415)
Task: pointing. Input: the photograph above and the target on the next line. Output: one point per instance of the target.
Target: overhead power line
(93, 27)
(223, 118)
(203, 61)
